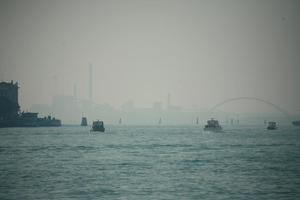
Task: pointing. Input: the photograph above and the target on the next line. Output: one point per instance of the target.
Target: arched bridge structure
(284, 112)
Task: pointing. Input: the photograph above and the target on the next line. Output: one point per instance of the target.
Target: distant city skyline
(201, 52)
(70, 109)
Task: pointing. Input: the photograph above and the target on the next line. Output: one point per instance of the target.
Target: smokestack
(75, 91)
(90, 82)
(169, 100)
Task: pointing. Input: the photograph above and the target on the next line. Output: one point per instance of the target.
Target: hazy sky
(201, 52)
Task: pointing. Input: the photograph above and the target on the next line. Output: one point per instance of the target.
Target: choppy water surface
(149, 163)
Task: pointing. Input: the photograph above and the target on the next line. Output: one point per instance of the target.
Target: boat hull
(212, 129)
(271, 128)
(98, 129)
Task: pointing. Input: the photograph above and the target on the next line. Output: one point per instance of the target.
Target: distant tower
(9, 105)
(9, 90)
(90, 82)
(160, 121)
(197, 120)
(169, 101)
(75, 91)
(120, 121)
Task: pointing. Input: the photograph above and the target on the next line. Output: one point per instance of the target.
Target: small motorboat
(212, 125)
(296, 123)
(272, 126)
(98, 126)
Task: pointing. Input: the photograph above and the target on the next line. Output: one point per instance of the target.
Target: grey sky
(201, 52)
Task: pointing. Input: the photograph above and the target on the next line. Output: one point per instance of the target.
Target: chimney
(90, 82)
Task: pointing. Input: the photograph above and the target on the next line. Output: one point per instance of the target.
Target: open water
(140, 162)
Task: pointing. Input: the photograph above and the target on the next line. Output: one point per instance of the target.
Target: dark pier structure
(10, 115)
